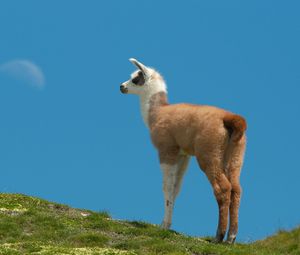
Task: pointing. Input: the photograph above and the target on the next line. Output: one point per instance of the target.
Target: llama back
(190, 126)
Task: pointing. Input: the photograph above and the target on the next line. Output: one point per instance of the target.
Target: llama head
(143, 82)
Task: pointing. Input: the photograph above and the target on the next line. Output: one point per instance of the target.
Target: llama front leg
(183, 163)
(169, 182)
(172, 179)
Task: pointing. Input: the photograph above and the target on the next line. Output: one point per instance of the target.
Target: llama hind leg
(234, 209)
(222, 191)
(233, 173)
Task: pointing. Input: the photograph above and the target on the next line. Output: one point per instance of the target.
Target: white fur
(172, 180)
(169, 183)
(152, 86)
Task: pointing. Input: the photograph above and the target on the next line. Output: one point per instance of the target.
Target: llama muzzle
(123, 89)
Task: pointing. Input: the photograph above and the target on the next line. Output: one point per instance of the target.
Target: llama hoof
(218, 239)
(231, 239)
(165, 225)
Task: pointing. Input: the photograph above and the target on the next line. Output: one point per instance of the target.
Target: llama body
(178, 131)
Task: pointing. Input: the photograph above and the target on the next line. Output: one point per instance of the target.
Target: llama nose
(123, 89)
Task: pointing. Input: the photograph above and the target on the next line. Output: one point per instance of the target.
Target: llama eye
(135, 80)
(139, 79)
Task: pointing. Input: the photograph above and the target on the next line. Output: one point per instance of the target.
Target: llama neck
(150, 104)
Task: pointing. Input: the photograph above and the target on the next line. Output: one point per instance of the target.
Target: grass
(30, 225)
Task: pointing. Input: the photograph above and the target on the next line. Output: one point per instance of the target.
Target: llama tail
(233, 158)
(236, 126)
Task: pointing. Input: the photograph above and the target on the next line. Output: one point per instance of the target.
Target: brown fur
(236, 125)
(215, 136)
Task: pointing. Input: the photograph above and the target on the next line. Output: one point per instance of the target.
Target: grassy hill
(30, 225)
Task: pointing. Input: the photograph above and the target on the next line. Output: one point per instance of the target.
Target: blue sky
(73, 138)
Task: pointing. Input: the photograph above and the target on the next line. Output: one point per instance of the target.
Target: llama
(178, 131)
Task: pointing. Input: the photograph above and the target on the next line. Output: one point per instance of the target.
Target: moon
(26, 71)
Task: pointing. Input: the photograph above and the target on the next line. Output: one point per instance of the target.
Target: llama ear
(140, 66)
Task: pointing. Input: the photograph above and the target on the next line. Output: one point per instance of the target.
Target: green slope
(30, 225)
